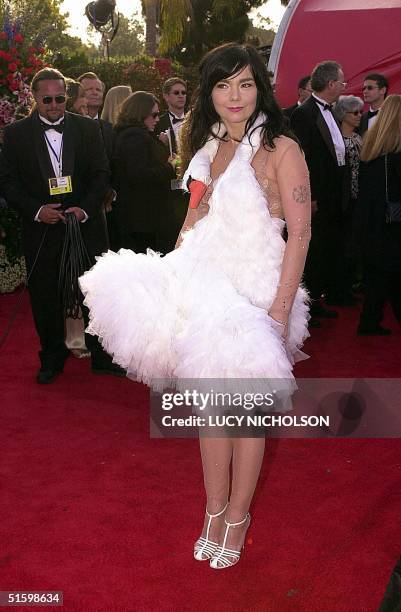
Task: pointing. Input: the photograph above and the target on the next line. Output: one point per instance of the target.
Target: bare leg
(247, 462)
(216, 456)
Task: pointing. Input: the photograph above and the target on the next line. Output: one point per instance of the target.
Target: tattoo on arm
(301, 193)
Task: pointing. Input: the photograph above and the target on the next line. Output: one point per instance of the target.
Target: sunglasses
(177, 93)
(356, 113)
(57, 99)
(155, 115)
(370, 87)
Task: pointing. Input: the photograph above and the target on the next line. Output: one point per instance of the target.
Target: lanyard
(58, 157)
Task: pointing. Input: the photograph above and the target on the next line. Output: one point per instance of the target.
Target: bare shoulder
(284, 143)
(284, 148)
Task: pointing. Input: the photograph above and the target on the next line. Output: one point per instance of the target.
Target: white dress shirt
(176, 126)
(54, 143)
(336, 135)
(372, 120)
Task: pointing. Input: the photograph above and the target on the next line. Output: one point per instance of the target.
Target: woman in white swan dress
(227, 303)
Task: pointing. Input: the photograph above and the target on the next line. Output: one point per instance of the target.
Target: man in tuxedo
(94, 90)
(63, 170)
(175, 96)
(304, 91)
(375, 89)
(320, 136)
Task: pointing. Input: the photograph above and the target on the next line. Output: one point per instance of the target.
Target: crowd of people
(221, 297)
(354, 164)
(352, 158)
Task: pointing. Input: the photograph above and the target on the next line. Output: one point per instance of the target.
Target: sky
(79, 23)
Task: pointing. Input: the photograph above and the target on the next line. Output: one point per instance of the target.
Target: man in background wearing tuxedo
(68, 148)
(375, 89)
(175, 96)
(94, 90)
(316, 127)
(304, 91)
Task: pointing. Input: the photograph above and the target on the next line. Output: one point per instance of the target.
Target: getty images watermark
(307, 408)
(210, 404)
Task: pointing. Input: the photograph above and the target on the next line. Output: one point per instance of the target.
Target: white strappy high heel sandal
(226, 557)
(204, 548)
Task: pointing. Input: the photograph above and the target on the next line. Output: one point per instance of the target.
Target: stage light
(100, 12)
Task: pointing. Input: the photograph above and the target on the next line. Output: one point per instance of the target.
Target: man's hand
(164, 138)
(50, 214)
(108, 203)
(78, 212)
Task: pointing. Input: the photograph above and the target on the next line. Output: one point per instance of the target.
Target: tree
(150, 9)
(43, 23)
(213, 25)
(179, 20)
(129, 40)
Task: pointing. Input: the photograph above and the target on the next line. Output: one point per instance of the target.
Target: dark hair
(380, 80)
(221, 63)
(46, 74)
(323, 73)
(92, 76)
(135, 109)
(73, 89)
(302, 83)
(169, 84)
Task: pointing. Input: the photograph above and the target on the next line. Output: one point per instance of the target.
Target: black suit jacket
(290, 109)
(363, 126)
(327, 179)
(165, 124)
(371, 210)
(141, 177)
(25, 170)
(108, 136)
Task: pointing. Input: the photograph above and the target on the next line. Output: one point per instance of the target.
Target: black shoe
(112, 369)
(45, 377)
(318, 311)
(378, 330)
(314, 322)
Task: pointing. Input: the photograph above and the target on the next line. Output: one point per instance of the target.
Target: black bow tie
(372, 114)
(324, 104)
(175, 119)
(47, 126)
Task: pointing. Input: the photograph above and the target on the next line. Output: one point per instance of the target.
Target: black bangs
(223, 63)
(231, 60)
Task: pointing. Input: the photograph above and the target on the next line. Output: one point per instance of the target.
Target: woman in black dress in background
(381, 239)
(141, 174)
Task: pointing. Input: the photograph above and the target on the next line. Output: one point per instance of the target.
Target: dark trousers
(382, 275)
(327, 269)
(48, 312)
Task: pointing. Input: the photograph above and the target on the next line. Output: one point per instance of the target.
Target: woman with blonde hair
(112, 102)
(380, 216)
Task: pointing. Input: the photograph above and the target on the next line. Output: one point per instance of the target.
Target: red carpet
(92, 507)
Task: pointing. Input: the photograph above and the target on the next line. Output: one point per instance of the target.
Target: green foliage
(43, 23)
(139, 72)
(214, 22)
(129, 40)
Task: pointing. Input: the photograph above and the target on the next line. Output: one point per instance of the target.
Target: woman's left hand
(280, 326)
